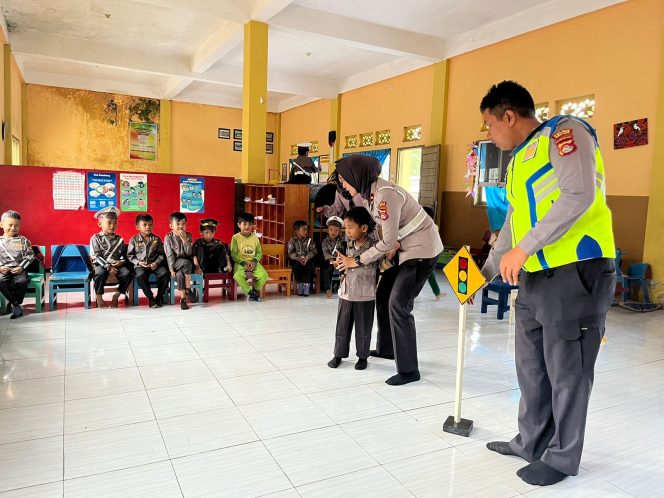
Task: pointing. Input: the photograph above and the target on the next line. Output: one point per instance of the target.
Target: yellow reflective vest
(532, 188)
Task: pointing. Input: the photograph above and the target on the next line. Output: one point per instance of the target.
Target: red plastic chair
(222, 281)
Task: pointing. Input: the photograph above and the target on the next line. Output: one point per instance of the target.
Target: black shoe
(502, 447)
(334, 362)
(191, 294)
(361, 364)
(373, 352)
(401, 379)
(253, 296)
(152, 304)
(540, 474)
(183, 304)
(17, 312)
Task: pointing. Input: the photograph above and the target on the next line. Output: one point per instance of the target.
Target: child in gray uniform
(179, 249)
(16, 254)
(357, 292)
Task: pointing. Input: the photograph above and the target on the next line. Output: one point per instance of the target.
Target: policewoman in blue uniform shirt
(403, 226)
(558, 234)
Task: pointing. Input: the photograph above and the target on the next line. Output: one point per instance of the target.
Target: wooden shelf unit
(275, 221)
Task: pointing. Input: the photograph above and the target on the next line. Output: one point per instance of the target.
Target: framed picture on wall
(224, 133)
(237, 134)
(237, 146)
(269, 148)
(269, 136)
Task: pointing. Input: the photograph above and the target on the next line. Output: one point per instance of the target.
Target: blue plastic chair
(153, 285)
(3, 304)
(70, 273)
(503, 290)
(637, 276)
(196, 284)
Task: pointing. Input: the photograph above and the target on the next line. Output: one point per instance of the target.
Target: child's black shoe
(361, 364)
(183, 304)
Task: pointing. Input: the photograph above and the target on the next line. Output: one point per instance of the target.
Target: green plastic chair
(37, 283)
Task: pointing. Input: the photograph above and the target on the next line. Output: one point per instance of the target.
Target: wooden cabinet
(275, 209)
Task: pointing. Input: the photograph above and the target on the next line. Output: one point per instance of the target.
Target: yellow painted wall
(2, 99)
(306, 123)
(612, 53)
(197, 150)
(390, 104)
(69, 128)
(17, 95)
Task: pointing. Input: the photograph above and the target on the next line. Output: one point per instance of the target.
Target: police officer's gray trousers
(560, 316)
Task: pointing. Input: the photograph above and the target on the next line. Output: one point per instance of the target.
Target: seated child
(107, 251)
(331, 245)
(146, 253)
(357, 292)
(16, 254)
(246, 253)
(179, 250)
(210, 254)
(301, 252)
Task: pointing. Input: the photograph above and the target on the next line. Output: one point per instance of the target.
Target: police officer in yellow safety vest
(558, 235)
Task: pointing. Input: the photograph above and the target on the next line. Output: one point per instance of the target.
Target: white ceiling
(192, 50)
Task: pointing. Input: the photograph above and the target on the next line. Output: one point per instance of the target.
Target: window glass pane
(408, 170)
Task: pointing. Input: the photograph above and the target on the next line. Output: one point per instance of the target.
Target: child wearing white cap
(331, 245)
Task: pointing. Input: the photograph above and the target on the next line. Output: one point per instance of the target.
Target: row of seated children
(16, 254)
(146, 255)
(302, 251)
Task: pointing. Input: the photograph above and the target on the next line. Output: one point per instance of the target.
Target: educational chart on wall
(192, 194)
(102, 190)
(134, 191)
(143, 140)
(68, 190)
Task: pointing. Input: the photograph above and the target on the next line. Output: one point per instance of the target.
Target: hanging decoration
(471, 170)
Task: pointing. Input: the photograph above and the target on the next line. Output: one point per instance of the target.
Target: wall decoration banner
(630, 133)
(68, 190)
(192, 194)
(143, 140)
(134, 191)
(102, 190)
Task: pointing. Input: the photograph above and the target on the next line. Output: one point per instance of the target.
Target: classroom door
(428, 191)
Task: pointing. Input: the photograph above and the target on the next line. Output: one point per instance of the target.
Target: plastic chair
(153, 285)
(3, 304)
(504, 290)
(196, 285)
(70, 273)
(37, 281)
(223, 281)
(638, 276)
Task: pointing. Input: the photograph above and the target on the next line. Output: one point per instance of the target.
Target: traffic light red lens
(463, 263)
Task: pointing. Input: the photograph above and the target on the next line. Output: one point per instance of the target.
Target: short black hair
(361, 216)
(299, 224)
(508, 96)
(248, 217)
(12, 215)
(177, 216)
(144, 217)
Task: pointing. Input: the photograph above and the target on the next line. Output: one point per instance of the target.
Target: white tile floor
(235, 399)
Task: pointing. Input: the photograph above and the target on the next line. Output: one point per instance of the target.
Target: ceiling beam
(174, 87)
(264, 10)
(224, 39)
(360, 34)
(524, 21)
(92, 84)
(71, 50)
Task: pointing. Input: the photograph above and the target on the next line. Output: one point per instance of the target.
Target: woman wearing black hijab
(406, 226)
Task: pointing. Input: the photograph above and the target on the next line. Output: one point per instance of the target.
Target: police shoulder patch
(382, 210)
(564, 140)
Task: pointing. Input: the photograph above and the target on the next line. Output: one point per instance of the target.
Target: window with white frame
(491, 169)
